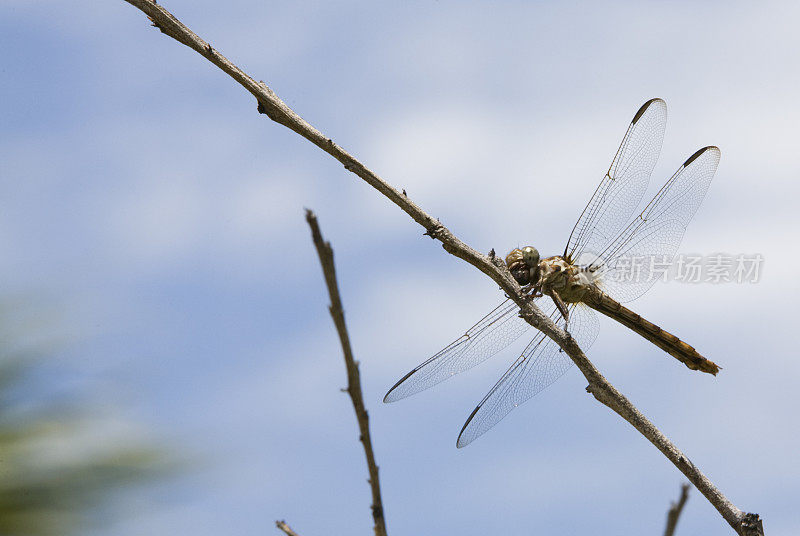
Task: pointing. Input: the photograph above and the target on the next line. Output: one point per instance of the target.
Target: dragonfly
(594, 274)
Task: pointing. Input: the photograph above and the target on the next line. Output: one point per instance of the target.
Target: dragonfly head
(524, 265)
(530, 256)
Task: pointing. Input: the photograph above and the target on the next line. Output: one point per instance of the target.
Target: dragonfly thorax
(571, 281)
(557, 273)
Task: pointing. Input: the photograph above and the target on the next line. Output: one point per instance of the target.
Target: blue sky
(144, 199)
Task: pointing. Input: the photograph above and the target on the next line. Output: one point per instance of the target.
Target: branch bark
(675, 511)
(599, 387)
(285, 528)
(325, 253)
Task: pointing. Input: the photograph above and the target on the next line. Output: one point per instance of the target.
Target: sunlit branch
(285, 528)
(325, 253)
(603, 391)
(675, 510)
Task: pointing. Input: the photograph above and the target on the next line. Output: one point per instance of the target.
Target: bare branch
(325, 253)
(285, 528)
(601, 389)
(675, 511)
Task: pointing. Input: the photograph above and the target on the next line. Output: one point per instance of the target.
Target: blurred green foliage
(59, 461)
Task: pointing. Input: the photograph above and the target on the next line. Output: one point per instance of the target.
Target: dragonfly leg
(562, 307)
(533, 290)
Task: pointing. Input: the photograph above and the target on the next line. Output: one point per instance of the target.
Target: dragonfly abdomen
(663, 339)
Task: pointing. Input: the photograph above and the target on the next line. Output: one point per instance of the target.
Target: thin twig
(285, 528)
(675, 510)
(603, 391)
(325, 253)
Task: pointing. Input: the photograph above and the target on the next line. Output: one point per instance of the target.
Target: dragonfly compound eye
(530, 256)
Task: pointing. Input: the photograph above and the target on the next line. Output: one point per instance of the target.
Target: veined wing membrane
(621, 190)
(629, 261)
(540, 364)
(491, 334)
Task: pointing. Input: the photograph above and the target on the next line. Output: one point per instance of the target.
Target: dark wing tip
(386, 398)
(644, 108)
(459, 442)
(699, 153)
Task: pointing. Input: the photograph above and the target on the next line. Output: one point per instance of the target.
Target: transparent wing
(624, 184)
(491, 334)
(540, 364)
(631, 263)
